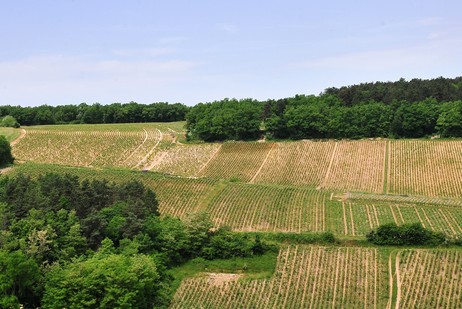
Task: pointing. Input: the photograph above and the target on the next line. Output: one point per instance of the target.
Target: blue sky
(68, 52)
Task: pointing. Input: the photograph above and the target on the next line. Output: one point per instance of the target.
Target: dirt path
(326, 178)
(143, 161)
(157, 160)
(208, 161)
(263, 163)
(175, 137)
(21, 135)
(398, 281)
(390, 282)
(139, 146)
(5, 170)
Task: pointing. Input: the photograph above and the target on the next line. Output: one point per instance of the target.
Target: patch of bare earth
(219, 279)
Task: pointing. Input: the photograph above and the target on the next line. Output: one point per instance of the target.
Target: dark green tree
(449, 123)
(6, 157)
(106, 280)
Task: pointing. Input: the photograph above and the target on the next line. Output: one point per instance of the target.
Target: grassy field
(10, 133)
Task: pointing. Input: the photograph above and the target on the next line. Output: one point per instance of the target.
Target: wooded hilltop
(415, 108)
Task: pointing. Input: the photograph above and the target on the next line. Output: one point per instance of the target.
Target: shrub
(406, 234)
(5, 152)
(9, 121)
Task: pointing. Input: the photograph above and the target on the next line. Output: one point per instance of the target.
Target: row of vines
(416, 167)
(305, 277)
(429, 279)
(257, 207)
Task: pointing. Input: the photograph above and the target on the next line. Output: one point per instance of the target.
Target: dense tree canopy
(225, 120)
(96, 113)
(6, 157)
(417, 108)
(71, 243)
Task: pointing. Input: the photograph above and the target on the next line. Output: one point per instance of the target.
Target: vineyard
(258, 207)
(430, 168)
(416, 167)
(357, 166)
(88, 148)
(113, 127)
(177, 196)
(305, 277)
(429, 279)
(358, 218)
(300, 163)
(240, 161)
(183, 160)
(346, 187)
(246, 207)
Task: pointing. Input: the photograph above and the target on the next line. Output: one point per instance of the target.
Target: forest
(66, 241)
(418, 108)
(96, 113)
(401, 109)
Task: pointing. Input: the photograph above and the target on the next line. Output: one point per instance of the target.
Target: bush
(226, 244)
(406, 234)
(9, 121)
(5, 152)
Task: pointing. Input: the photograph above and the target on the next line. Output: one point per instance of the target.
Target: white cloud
(144, 52)
(434, 51)
(230, 28)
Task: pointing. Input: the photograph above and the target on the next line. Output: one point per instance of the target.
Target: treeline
(418, 108)
(442, 89)
(66, 242)
(96, 113)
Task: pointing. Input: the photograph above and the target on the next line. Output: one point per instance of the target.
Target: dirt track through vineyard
(18, 139)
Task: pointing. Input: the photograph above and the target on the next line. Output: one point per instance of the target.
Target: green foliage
(225, 120)
(6, 157)
(415, 90)
(198, 229)
(106, 280)
(19, 280)
(302, 238)
(326, 117)
(9, 121)
(225, 244)
(57, 217)
(449, 123)
(97, 113)
(406, 234)
(415, 119)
